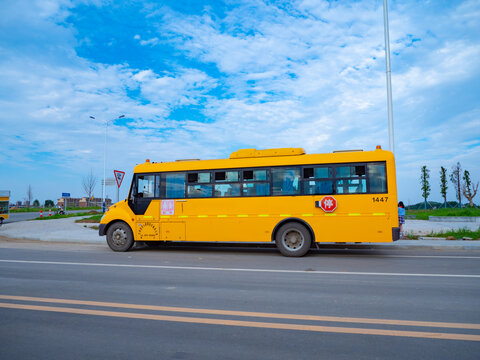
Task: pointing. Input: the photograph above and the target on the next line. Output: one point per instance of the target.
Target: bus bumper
(101, 229)
(395, 233)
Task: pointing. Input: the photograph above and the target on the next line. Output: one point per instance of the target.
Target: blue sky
(200, 79)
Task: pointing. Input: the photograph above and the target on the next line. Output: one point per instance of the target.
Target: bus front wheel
(293, 239)
(119, 237)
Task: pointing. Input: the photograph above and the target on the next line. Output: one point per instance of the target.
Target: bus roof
(270, 157)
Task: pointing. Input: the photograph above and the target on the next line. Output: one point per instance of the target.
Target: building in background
(83, 202)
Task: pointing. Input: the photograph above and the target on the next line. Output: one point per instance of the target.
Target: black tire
(293, 239)
(119, 236)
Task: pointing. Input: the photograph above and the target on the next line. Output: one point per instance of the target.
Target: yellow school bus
(4, 205)
(283, 196)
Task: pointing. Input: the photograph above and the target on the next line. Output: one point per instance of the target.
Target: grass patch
(91, 219)
(424, 214)
(411, 236)
(458, 234)
(57, 216)
(22, 210)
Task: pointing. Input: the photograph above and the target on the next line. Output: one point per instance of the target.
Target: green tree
(425, 183)
(29, 197)
(456, 179)
(469, 190)
(49, 204)
(36, 203)
(443, 185)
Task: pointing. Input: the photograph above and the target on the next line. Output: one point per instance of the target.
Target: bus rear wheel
(293, 239)
(119, 237)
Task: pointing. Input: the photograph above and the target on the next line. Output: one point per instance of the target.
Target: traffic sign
(119, 175)
(108, 182)
(328, 204)
(65, 195)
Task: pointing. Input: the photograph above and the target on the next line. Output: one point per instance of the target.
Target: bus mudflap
(101, 229)
(395, 233)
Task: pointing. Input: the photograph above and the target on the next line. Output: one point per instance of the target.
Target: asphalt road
(209, 303)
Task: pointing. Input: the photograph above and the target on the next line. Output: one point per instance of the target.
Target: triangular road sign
(119, 176)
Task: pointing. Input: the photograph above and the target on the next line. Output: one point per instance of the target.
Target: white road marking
(195, 268)
(411, 256)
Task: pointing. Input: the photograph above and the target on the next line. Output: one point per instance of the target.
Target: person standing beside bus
(401, 217)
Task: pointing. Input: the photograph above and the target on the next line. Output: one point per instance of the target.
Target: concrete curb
(454, 218)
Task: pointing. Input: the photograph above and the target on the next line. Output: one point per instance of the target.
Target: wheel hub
(293, 239)
(119, 237)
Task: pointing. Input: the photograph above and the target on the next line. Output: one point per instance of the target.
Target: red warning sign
(119, 175)
(328, 204)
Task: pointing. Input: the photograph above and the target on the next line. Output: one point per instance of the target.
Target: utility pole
(389, 77)
(105, 158)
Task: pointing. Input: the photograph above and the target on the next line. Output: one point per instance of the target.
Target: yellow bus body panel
(357, 218)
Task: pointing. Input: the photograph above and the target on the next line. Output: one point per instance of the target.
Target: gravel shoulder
(425, 227)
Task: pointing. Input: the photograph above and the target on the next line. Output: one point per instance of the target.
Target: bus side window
(351, 179)
(229, 185)
(199, 185)
(286, 181)
(351, 186)
(377, 178)
(256, 189)
(256, 183)
(318, 187)
(173, 186)
(350, 171)
(318, 180)
(145, 186)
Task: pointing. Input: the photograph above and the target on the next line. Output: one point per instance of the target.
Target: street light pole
(104, 167)
(105, 159)
(389, 78)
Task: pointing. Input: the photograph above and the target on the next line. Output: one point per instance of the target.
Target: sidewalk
(66, 230)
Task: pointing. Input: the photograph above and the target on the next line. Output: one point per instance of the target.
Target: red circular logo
(328, 204)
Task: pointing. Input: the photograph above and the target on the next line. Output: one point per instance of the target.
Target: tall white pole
(389, 78)
(104, 167)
